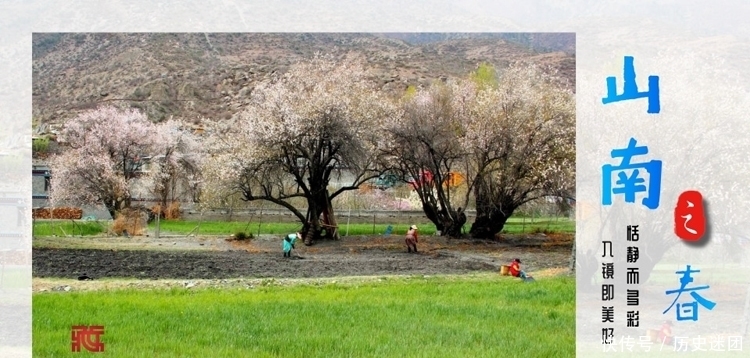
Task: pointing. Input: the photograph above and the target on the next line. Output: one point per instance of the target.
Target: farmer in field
(412, 239)
(515, 270)
(288, 243)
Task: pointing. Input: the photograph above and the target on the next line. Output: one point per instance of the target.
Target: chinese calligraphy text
(629, 184)
(88, 337)
(689, 311)
(630, 88)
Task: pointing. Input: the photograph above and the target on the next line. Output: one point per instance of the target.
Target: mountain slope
(209, 75)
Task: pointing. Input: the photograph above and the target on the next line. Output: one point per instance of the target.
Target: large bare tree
(426, 150)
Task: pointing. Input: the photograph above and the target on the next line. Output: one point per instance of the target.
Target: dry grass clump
(130, 221)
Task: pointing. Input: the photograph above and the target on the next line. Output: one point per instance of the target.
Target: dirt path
(214, 258)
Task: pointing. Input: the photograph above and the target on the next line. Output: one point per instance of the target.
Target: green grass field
(68, 227)
(463, 316)
(88, 228)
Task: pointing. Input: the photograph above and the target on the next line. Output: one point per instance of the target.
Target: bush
(131, 220)
(243, 236)
(40, 145)
(171, 212)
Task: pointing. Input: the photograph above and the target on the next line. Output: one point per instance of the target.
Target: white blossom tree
(521, 139)
(103, 158)
(175, 168)
(513, 140)
(318, 120)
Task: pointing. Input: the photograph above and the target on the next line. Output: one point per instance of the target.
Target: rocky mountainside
(542, 42)
(196, 75)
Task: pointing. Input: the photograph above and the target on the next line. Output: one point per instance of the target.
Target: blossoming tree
(512, 138)
(103, 158)
(521, 139)
(175, 167)
(319, 120)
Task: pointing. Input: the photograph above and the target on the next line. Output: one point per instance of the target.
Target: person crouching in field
(412, 239)
(288, 243)
(515, 271)
(665, 334)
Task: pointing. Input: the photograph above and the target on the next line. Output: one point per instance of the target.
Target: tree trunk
(316, 205)
(115, 205)
(586, 267)
(112, 212)
(493, 210)
(432, 214)
(651, 253)
(163, 204)
(448, 222)
(329, 219)
(453, 223)
(158, 227)
(311, 229)
(488, 223)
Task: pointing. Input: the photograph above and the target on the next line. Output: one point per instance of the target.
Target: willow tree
(521, 136)
(319, 120)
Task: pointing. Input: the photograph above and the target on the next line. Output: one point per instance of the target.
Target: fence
(375, 208)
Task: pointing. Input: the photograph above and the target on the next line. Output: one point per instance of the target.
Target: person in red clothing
(665, 333)
(412, 239)
(515, 270)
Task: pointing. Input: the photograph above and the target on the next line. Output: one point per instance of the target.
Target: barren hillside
(209, 75)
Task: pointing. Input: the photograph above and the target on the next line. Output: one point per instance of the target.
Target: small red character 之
(689, 216)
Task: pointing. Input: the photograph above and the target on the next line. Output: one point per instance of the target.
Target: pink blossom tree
(103, 158)
(319, 120)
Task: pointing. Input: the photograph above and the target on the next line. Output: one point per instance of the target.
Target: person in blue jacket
(288, 243)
